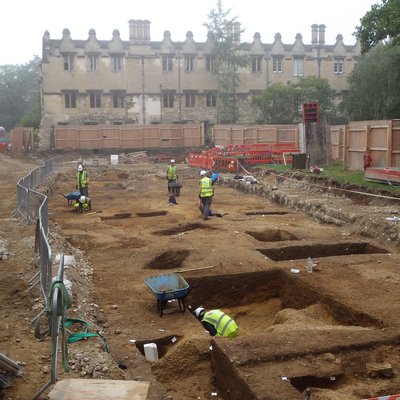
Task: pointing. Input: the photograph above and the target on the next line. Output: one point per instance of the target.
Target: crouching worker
(216, 322)
(84, 204)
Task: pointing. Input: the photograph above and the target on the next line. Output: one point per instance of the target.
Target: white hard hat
(80, 168)
(172, 160)
(82, 199)
(199, 312)
(203, 172)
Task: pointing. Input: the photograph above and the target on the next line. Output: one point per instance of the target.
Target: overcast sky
(23, 22)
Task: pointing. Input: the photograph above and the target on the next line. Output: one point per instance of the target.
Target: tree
(276, 104)
(19, 90)
(224, 34)
(280, 104)
(382, 22)
(374, 85)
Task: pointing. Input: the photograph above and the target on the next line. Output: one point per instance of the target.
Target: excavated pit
(320, 250)
(272, 235)
(116, 216)
(248, 290)
(180, 229)
(272, 296)
(301, 383)
(266, 213)
(163, 344)
(169, 260)
(251, 296)
(151, 214)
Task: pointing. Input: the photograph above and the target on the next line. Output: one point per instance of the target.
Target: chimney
(139, 31)
(314, 34)
(321, 38)
(146, 24)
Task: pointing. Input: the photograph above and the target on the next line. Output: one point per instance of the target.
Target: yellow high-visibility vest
(223, 324)
(81, 178)
(206, 187)
(171, 172)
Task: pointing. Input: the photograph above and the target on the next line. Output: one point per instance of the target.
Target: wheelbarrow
(73, 196)
(169, 287)
(174, 188)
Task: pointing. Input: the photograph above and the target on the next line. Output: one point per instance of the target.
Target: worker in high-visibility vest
(83, 204)
(216, 322)
(172, 174)
(206, 193)
(82, 181)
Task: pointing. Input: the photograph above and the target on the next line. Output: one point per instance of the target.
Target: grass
(336, 172)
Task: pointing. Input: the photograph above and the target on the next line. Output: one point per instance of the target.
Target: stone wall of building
(142, 81)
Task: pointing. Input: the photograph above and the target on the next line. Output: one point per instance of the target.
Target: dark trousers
(169, 184)
(83, 190)
(206, 205)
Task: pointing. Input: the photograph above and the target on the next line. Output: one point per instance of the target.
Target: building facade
(145, 82)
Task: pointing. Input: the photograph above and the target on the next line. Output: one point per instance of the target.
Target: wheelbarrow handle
(191, 288)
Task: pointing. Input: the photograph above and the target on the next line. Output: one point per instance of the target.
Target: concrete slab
(99, 389)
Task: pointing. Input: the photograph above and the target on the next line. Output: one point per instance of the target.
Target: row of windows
(93, 62)
(118, 98)
(190, 100)
(189, 63)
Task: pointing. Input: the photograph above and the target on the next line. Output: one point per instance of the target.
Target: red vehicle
(4, 140)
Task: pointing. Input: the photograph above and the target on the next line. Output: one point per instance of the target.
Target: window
(189, 63)
(116, 63)
(93, 63)
(118, 99)
(277, 64)
(256, 64)
(338, 65)
(167, 64)
(211, 100)
(70, 99)
(95, 99)
(298, 67)
(68, 62)
(168, 100)
(190, 100)
(210, 66)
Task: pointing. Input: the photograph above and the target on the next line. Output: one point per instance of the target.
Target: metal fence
(32, 206)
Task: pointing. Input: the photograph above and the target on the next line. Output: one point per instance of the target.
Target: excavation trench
(273, 296)
(266, 213)
(151, 214)
(170, 259)
(180, 229)
(272, 235)
(116, 217)
(298, 252)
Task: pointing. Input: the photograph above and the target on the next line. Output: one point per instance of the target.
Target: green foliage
(276, 104)
(336, 173)
(19, 89)
(374, 85)
(32, 118)
(225, 38)
(280, 104)
(382, 22)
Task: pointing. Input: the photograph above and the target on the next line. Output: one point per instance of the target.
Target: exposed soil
(335, 330)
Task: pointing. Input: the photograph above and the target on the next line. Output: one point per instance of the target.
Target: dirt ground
(335, 330)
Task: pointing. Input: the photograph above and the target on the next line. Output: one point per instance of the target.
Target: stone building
(141, 81)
